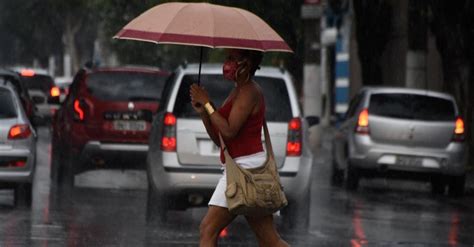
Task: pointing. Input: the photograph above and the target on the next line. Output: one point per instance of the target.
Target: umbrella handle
(199, 74)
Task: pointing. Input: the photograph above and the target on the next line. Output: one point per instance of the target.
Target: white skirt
(249, 161)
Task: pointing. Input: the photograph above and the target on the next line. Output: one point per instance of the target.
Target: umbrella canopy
(205, 25)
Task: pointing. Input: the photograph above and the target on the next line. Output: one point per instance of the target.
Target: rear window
(411, 106)
(126, 86)
(7, 106)
(277, 101)
(38, 82)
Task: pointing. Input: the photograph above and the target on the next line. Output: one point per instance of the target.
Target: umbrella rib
(255, 32)
(165, 31)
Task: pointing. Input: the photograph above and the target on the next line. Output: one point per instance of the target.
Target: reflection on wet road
(381, 213)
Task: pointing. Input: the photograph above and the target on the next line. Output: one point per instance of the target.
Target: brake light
(294, 143)
(54, 92)
(17, 163)
(363, 122)
(19, 131)
(168, 139)
(78, 110)
(459, 130)
(27, 72)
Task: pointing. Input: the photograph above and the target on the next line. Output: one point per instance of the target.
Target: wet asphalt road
(381, 213)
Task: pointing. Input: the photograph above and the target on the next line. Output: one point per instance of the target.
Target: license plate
(409, 161)
(130, 125)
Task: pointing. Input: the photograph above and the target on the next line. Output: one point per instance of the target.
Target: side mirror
(312, 120)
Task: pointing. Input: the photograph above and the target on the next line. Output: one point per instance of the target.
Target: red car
(105, 121)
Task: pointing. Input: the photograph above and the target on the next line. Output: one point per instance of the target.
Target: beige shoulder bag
(255, 191)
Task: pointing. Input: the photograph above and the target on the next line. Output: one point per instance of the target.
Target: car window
(38, 82)
(278, 107)
(411, 106)
(166, 92)
(354, 105)
(7, 106)
(126, 86)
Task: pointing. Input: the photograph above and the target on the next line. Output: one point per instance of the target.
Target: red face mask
(229, 69)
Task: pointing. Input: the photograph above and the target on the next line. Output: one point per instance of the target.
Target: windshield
(277, 101)
(38, 82)
(126, 86)
(412, 106)
(7, 106)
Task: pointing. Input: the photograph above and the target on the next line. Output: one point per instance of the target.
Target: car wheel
(337, 175)
(156, 207)
(438, 185)
(295, 216)
(353, 177)
(456, 185)
(23, 195)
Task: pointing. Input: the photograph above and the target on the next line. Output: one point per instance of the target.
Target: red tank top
(248, 141)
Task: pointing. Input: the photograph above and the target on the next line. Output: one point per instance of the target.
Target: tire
(456, 185)
(23, 195)
(438, 185)
(156, 207)
(337, 175)
(353, 177)
(295, 216)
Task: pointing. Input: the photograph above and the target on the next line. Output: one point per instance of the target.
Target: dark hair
(255, 58)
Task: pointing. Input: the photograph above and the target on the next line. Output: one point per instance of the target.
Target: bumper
(447, 161)
(175, 179)
(98, 155)
(18, 175)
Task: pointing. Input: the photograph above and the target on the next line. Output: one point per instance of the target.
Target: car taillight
(363, 122)
(79, 107)
(168, 139)
(458, 135)
(54, 92)
(294, 143)
(19, 131)
(16, 163)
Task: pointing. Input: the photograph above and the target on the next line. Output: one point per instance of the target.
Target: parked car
(183, 163)
(17, 145)
(41, 87)
(401, 133)
(105, 121)
(14, 79)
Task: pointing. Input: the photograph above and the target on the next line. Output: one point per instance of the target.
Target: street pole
(311, 12)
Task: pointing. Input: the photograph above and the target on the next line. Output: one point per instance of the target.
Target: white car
(183, 163)
(17, 146)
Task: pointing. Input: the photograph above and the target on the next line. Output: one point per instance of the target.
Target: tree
(373, 24)
(52, 27)
(454, 30)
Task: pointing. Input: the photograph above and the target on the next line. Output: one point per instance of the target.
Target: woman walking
(239, 120)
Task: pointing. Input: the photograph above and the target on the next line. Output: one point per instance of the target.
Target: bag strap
(268, 142)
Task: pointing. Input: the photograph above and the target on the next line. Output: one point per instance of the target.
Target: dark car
(105, 121)
(21, 90)
(43, 91)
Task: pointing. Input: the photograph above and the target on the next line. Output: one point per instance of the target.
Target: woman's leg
(215, 220)
(265, 231)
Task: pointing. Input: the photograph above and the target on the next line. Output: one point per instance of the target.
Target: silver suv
(402, 133)
(183, 163)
